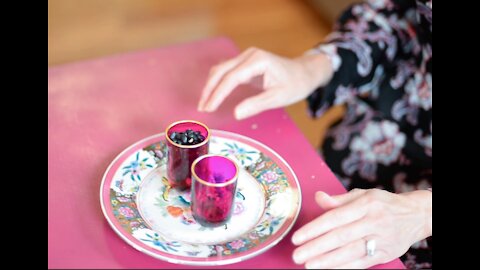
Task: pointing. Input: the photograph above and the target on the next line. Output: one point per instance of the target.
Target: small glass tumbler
(214, 184)
(180, 157)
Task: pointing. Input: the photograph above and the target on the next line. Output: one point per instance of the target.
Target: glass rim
(224, 184)
(187, 146)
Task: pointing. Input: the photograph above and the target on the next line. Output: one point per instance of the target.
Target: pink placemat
(97, 108)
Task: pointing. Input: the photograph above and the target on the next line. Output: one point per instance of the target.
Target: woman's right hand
(285, 81)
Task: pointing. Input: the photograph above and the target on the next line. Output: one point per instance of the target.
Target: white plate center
(168, 211)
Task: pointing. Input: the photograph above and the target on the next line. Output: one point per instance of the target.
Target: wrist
(318, 67)
(423, 199)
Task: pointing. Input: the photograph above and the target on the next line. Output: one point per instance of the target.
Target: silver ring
(371, 245)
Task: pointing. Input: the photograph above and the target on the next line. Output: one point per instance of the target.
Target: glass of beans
(214, 184)
(186, 141)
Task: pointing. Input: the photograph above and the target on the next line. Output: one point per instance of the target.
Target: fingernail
(298, 257)
(238, 116)
(212, 107)
(324, 196)
(309, 265)
(239, 113)
(297, 238)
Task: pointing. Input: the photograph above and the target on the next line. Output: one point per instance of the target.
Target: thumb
(328, 202)
(325, 201)
(255, 105)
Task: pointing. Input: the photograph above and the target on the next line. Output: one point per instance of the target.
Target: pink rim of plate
(234, 258)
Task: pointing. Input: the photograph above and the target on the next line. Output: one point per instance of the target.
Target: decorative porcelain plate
(155, 219)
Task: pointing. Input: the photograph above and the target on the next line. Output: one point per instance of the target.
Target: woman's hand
(285, 81)
(338, 237)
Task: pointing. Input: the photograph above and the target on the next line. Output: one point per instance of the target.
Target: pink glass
(181, 157)
(213, 189)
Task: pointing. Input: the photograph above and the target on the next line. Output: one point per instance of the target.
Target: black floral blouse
(381, 52)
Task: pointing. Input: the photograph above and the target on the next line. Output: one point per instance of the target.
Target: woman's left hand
(338, 237)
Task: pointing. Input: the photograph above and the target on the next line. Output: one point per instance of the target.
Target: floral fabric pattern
(381, 52)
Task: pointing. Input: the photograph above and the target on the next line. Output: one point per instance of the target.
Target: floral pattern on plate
(266, 178)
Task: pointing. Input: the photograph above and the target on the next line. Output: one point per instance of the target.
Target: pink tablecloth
(97, 108)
